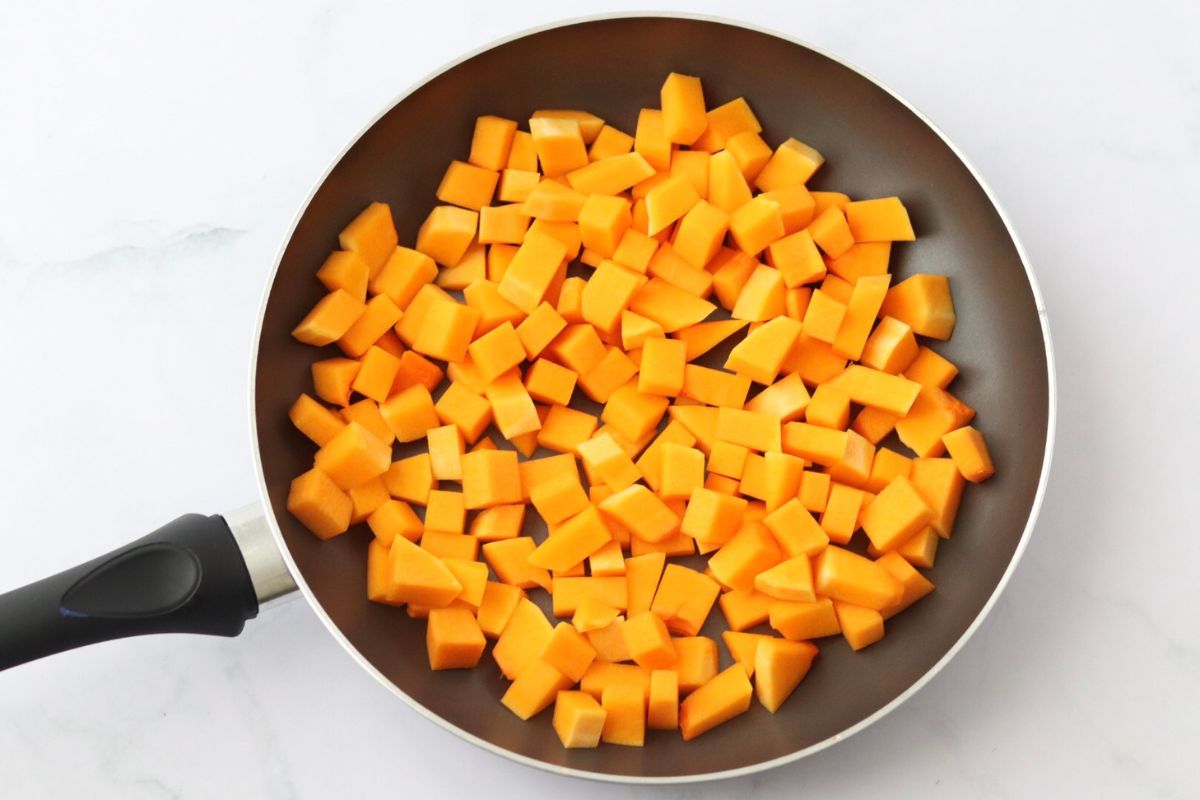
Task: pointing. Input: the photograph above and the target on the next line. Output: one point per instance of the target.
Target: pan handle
(196, 574)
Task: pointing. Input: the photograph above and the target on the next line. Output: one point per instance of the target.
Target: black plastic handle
(186, 577)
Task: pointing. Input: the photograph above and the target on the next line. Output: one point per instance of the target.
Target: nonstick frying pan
(210, 574)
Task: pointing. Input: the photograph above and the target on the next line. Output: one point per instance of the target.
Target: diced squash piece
(314, 420)
(559, 497)
(812, 443)
(550, 383)
(940, 484)
(700, 233)
(502, 225)
(727, 187)
(779, 666)
(330, 319)
(320, 504)
(632, 413)
(376, 372)
(344, 269)
(607, 293)
(842, 509)
(831, 233)
(727, 459)
(803, 621)
(750, 551)
(829, 408)
(353, 457)
(572, 541)
(522, 154)
(366, 498)
(681, 472)
(861, 311)
(648, 642)
(568, 652)
(715, 387)
(446, 234)
(700, 338)
(650, 139)
(539, 329)
(512, 408)
(578, 347)
(366, 413)
(610, 176)
(603, 221)
(662, 710)
(564, 429)
(332, 379)
(924, 303)
(625, 709)
(896, 514)
(642, 574)
(761, 354)
(762, 297)
(684, 599)
(668, 305)
(744, 609)
(782, 477)
(610, 141)
(589, 124)
(492, 141)
(496, 608)
(394, 518)
(920, 549)
(724, 697)
(498, 521)
(794, 528)
(608, 642)
(371, 235)
(683, 113)
(887, 465)
(796, 204)
(515, 187)
(534, 689)
(402, 275)
(726, 121)
(467, 185)
(814, 491)
(578, 719)
(881, 220)
(970, 453)
(379, 573)
(797, 259)
(712, 516)
(553, 201)
(507, 558)
(641, 512)
(891, 347)
(915, 584)
(793, 162)
(529, 275)
(601, 675)
(420, 577)
(861, 626)
(756, 224)
(754, 430)
(933, 414)
(841, 575)
(609, 461)
(523, 637)
(593, 615)
(453, 639)
(788, 580)
(668, 202)
(749, 151)
(869, 387)
(930, 369)
(568, 593)
(559, 144)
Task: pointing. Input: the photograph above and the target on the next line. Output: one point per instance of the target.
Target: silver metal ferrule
(273, 583)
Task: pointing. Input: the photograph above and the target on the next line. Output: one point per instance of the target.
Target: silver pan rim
(1022, 544)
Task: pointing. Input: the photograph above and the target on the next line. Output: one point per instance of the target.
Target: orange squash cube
(353, 457)
(930, 369)
(797, 259)
(700, 233)
(725, 121)
(788, 580)
(839, 520)
(568, 651)
(529, 275)
(376, 319)
(320, 504)
(803, 621)
(744, 609)
(684, 599)
(727, 187)
(522, 154)
(330, 318)
(453, 639)
(648, 642)
(314, 420)
(565, 429)
(895, 515)
(668, 202)
(446, 330)
(376, 372)
(792, 163)
(970, 453)
(750, 551)
(683, 114)
(861, 626)
(395, 518)
(559, 145)
(915, 584)
(496, 607)
(366, 498)
(578, 719)
(829, 408)
(641, 512)
(881, 220)
(539, 329)
(558, 497)
(372, 235)
(568, 593)
(410, 479)
(492, 141)
(610, 141)
(534, 689)
(554, 201)
(625, 715)
(762, 297)
(862, 308)
(681, 471)
(724, 697)
(940, 484)
(796, 204)
(345, 269)
(420, 577)
(890, 348)
(467, 185)
(844, 576)
(761, 354)
(603, 221)
(756, 224)
(779, 666)
(933, 414)
(610, 176)
(410, 414)
(924, 303)
(873, 424)
(794, 528)
(507, 558)
(712, 516)
(446, 234)
(650, 139)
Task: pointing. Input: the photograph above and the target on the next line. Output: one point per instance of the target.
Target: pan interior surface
(875, 146)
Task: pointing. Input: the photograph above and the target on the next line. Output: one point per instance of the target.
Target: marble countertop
(150, 161)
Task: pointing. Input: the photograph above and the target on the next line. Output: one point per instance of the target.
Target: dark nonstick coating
(875, 146)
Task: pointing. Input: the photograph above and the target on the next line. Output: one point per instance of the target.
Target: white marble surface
(151, 159)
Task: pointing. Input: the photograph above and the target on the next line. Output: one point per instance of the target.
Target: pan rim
(878, 714)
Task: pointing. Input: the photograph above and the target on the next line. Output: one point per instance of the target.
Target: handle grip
(189, 576)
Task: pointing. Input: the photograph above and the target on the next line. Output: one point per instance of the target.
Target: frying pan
(209, 574)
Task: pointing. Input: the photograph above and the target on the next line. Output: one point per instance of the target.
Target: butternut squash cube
(725, 121)
(844, 576)
(410, 414)
(410, 479)
(742, 610)
(861, 311)
(779, 666)
(915, 584)
(320, 504)
(881, 220)
(446, 234)
(682, 472)
(940, 484)
(578, 719)
(796, 204)
(496, 608)
(803, 621)
(492, 141)
(700, 233)
(933, 414)
(762, 296)
(610, 176)
(861, 626)
(896, 514)
(568, 593)
(395, 518)
(797, 533)
(793, 162)
(610, 141)
(531, 271)
(453, 639)
(345, 269)
(724, 697)
(467, 185)
(788, 580)
(559, 145)
(534, 689)
(756, 224)
(507, 558)
(372, 235)
(522, 155)
(930, 369)
(761, 354)
(420, 577)
(648, 642)
(552, 201)
(330, 318)
(668, 202)
(446, 330)
(924, 303)
(565, 429)
(353, 457)
(314, 420)
(650, 139)
(727, 187)
(684, 599)
(403, 274)
(641, 512)
(829, 407)
(625, 715)
(376, 372)
(890, 348)
(712, 516)
(970, 453)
